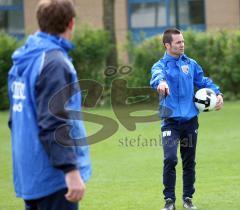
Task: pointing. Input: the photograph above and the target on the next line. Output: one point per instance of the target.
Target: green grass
(130, 177)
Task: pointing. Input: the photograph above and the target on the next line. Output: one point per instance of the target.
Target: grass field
(130, 177)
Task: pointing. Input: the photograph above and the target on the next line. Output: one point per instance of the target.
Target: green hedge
(7, 45)
(91, 48)
(90, 52)
(217, 52)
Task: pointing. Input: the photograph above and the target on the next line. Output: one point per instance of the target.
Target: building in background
(150, 17)
(12, 17)
(143, 18)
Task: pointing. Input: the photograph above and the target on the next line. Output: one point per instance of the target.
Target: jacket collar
(168, 57)
(60, 41)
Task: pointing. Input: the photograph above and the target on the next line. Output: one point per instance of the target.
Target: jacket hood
(34, 46)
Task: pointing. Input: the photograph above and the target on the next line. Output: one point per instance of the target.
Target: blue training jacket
(41, 67)
(182, 75)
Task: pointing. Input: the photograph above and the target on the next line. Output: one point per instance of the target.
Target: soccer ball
(205, 99)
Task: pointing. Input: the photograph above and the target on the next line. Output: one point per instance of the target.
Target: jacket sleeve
(158, 74)
(200, 81)
(54, 76)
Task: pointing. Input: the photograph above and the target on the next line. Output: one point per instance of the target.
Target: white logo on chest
(185, 69)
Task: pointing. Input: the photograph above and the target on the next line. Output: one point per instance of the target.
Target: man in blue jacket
(47, 174)
(174, 77)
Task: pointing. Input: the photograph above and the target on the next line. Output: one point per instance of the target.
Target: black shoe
(187, 204)
(169, 205)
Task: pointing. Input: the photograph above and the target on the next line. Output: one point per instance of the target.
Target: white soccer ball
(205, 99)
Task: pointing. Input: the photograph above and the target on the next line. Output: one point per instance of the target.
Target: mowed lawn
(127, 172)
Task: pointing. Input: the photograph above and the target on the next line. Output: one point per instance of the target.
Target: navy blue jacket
(41, 67)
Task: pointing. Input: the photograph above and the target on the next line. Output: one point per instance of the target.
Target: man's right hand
(163, 88)
(75, 185)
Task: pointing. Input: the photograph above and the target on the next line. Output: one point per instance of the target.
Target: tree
(111, 60)
(109, 25)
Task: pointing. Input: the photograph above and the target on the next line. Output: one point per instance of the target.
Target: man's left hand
(219, 104)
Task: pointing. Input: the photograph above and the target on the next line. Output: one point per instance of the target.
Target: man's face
(176, 48)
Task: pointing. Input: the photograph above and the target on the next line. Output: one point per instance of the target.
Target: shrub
(89, 54)
(91, 48)
(7, 45)
(217, 52)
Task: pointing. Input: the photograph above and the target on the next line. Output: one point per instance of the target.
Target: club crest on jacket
(185, 69)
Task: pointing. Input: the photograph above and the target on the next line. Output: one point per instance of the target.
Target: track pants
(175, 133)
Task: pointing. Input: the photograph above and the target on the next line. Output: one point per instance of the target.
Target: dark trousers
(55, 201)
(175, 133)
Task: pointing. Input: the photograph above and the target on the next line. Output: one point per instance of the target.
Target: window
(146, 15)
(153, 16)
(183, 11)
(172, 13)
(191, 12)
(12, 17)
(3, 18)
(196, 12)
(161, 14)
(143, 15)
